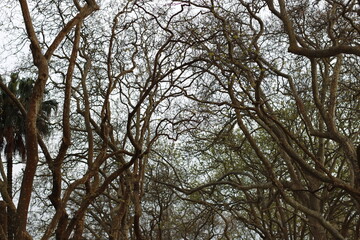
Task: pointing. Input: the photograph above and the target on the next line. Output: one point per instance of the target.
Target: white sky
(12, 48)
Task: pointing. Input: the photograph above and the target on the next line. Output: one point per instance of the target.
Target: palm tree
(12, 128)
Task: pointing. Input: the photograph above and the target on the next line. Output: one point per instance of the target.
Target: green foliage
(12, 122)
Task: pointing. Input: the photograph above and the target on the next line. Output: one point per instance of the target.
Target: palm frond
(49, 106)
(12, 122)
(25, 89)
(20, 146)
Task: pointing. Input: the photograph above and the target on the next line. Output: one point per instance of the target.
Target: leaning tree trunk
(3, 220)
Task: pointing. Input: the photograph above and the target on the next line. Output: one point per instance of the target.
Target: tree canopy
(185, 119)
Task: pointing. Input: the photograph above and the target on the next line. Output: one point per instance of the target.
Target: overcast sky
(12, 47)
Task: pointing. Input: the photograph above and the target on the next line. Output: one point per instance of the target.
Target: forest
(180, 120)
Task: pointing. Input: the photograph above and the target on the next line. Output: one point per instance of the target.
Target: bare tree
(187, 119)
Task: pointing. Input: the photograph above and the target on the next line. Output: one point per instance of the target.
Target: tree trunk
(3, 220)
(10, 215)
